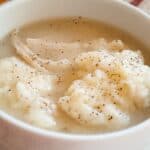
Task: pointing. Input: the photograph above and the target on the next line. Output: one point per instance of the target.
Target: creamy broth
(80, 30)
(74, 29)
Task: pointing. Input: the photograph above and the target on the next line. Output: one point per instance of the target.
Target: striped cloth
(143, 4)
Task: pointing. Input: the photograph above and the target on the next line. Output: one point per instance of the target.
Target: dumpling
(25, 91)
(95, 100)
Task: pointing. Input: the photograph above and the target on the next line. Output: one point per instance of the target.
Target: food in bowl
(74, 75)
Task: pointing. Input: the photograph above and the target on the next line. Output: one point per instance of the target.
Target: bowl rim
(68, 136)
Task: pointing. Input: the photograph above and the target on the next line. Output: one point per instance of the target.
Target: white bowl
(16, 135)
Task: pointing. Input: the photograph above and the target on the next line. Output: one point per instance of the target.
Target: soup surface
(74, 75)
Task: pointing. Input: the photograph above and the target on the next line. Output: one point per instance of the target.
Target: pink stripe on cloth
(142, 4)
(136, 2)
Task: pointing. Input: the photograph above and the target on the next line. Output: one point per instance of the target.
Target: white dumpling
(25, 91)
(93, 100)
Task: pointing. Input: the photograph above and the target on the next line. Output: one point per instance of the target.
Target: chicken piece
(37, 62)
(69, 50)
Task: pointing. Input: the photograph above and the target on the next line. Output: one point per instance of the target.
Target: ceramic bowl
(16, 135)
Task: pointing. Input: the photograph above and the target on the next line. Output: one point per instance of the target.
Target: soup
(74, 75)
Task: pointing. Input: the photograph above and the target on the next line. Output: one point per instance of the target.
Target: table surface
(1, 1)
